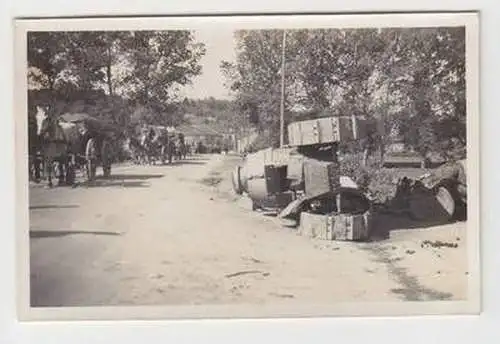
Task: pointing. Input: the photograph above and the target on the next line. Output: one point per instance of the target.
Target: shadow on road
(187, 162)
(118, 183)
(130, 177)
(53, 234)
(121, 181)
(384, 224)
(53, 206)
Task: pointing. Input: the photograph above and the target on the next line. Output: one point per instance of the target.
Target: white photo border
(469, 20)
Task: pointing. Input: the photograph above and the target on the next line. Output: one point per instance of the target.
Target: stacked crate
(326, 130)
(342, 227)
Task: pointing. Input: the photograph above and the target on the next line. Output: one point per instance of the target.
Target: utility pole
(282, 105)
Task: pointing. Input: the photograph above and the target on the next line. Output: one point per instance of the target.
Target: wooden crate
(341, 227)
(349, 227)
(316, 226)
(295, 170)
(320, 177)
(323, 130)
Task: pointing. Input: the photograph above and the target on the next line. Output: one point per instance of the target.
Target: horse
(54, 146)
(148, 144)
(181, 149)
(157, 145)
(163, 146)
(133, 146)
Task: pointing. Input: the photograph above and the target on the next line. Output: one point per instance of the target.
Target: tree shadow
(53, 206)
(187, 162)
(54, 234)
(130, 177)
(118, 183)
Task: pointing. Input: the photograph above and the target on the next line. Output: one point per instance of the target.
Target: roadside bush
(377, 182)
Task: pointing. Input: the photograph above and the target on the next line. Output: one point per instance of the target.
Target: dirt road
(177, 235)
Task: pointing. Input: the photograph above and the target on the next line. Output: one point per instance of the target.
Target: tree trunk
(108, 72)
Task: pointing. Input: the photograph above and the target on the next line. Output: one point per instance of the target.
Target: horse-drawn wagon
(93, 144)
(74, 141)
(155, 143)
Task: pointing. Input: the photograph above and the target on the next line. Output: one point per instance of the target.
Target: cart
(93, 146)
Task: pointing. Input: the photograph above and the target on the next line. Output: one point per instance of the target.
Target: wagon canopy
(94, 125)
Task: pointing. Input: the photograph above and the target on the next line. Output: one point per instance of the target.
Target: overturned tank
(302, 181)
(437, 196)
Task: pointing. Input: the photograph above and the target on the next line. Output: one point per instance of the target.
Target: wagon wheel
(91, 159)
(106, 158)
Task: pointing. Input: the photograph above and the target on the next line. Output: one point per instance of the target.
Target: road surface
(176, 235)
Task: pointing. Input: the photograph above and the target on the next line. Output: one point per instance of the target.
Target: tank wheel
(445, 198)
(255, 206)
(236, 179)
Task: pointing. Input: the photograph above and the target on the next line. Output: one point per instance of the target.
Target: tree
(48, 54)
(142, 69)
(407, 78)
(161, 61)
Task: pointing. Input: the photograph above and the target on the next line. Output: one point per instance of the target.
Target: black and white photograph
(247, 166)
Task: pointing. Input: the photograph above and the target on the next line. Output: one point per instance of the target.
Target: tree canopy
(412, 80)
(126, 72)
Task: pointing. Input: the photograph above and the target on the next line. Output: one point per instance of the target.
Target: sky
(220, 45)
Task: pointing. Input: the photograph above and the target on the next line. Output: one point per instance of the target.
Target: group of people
(156, 144)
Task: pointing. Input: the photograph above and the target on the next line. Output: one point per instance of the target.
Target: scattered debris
(410, 252)
(287, 296)
(247, 272)
(437, 244)
(252, 259)
(211, 180)
(396, 259)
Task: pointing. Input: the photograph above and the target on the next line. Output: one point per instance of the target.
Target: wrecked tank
(438, 196)
(302, 181)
